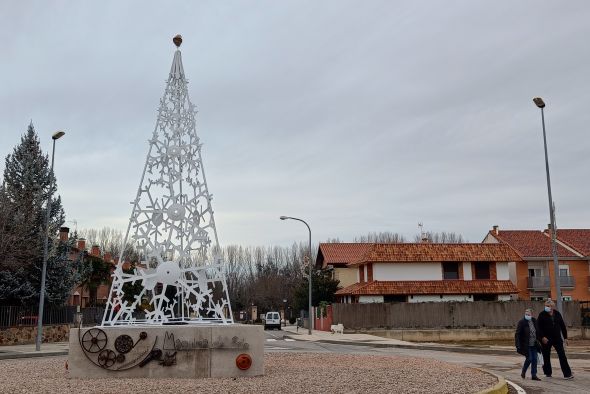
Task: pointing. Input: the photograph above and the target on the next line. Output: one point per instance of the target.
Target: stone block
(235, 340)
(178, 351)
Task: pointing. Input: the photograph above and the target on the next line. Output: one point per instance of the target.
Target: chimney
(81, 244)
(64, 234)
(495, 230)
(549, 227)
(95, 251)
(107, 257)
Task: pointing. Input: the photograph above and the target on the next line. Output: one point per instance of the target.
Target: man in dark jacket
(551, 329)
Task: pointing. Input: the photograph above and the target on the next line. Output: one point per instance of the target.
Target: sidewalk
(28, 351)
(375, 341)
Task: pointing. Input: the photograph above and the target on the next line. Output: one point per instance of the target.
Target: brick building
(534, 275)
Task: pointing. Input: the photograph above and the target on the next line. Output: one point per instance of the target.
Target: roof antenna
(423, 237)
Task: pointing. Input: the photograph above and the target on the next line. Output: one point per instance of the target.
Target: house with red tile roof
(534, 275)
(336, 258)
(420, 272)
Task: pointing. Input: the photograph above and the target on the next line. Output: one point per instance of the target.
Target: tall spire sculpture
(172, 224)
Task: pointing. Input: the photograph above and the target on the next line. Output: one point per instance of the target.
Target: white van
(272, 320)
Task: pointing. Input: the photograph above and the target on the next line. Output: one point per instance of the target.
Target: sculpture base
(170, 351)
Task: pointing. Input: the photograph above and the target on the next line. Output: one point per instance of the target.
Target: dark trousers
(565, 367)
(531, 359)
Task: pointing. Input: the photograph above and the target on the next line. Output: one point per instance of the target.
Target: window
(564, 270)
(394, 298)
(450, 270)
(566, 298)
(485, 297)
(535, 272)
(482, 270)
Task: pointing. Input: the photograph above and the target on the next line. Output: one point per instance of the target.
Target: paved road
(506, 366)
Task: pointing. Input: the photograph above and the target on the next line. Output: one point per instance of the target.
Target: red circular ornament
(244, 361)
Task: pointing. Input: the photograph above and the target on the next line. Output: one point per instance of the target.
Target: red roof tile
(578, 239)
(356, 253)
(419, 252)
(423, 287)
(342, 253)
(530, 243)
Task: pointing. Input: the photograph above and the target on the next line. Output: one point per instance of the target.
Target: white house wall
(502, 271)
(490, 239)
(366, 299)
(467, 275)
(436, 298)
(407, 271)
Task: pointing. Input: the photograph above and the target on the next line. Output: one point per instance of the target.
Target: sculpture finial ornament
(177, 40)
(173, 227)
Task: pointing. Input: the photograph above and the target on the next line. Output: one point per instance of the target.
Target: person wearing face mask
(551, 329)
(526, 339)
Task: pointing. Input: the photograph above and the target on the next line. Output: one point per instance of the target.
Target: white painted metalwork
(171, 223)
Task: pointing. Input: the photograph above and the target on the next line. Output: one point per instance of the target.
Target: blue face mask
(547, 309)
(528, 317)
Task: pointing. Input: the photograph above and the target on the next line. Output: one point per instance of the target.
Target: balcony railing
(538, 282)
(567, 281)
(543, 282)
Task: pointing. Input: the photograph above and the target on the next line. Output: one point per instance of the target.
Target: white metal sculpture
(171, 223)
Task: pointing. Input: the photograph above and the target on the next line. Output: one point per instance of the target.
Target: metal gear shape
(123, 344)
(94, 340)
(107, 358)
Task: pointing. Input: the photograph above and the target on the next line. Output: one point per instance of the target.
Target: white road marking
(289, 340)
(270, 339)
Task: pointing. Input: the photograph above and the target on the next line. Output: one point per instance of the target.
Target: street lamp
(57, 135)
(541, 104)
(310, 272)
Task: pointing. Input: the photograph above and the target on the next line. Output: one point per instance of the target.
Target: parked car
(272, 320)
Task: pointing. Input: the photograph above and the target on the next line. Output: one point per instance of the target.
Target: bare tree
(439, 238)
(385, 237)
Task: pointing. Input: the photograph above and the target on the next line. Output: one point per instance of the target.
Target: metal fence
(23, 316)
(92, 316)
(477, 314)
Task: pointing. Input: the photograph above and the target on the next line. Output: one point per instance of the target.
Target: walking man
(551, 329)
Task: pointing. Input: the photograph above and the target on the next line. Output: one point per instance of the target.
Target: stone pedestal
(172, 351)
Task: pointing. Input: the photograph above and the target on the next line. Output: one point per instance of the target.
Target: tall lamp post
(541, 104)
(310, 271)
(57, 135)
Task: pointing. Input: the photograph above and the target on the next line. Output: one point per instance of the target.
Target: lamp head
(284, 217)
(539, 102)
(57, 135)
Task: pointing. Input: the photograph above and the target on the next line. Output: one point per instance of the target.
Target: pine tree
(27, 183)
(63, 274)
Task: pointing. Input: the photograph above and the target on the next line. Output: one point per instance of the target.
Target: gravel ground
(284, 373)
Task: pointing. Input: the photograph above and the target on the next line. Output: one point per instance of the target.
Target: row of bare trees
(264, 276)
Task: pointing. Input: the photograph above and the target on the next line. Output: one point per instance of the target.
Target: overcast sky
(355, 116)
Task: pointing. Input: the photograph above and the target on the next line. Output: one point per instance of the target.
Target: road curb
(500, 352)
(10, 356)
(499, 388)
